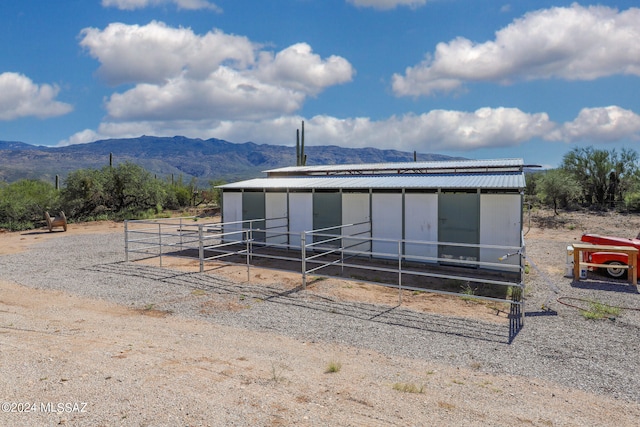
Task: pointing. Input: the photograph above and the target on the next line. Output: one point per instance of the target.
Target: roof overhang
(481, 181)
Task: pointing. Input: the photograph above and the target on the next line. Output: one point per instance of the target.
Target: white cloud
(436, 130)
(225, 94)
(574, 43)
(297, 67)
(155, 52)
(181, 4)
(82, 137)
(387, 4)
(603, 124)
(429, 132)
(183, 76)
(21, 97)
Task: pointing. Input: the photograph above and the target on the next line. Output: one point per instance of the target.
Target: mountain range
(211, 159)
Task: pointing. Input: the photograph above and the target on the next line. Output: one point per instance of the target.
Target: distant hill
(180, 156)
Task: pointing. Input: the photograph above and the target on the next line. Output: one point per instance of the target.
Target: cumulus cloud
(181, 4)
(572, 43)
(436, 130)
(21, 97)
(603, 124)
(387, 4)
(297, 67)
(155, 52)
(183, 76)
(225, 94)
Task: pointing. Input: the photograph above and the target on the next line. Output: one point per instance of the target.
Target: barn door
(253, 207)
(327, 212)
(459, 222)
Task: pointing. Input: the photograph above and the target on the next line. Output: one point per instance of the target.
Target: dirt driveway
(67, 360)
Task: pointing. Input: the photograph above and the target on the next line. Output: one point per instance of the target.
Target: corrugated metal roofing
(433, 165)
(503, 180)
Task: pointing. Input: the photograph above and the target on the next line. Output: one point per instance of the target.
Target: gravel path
(558, 345)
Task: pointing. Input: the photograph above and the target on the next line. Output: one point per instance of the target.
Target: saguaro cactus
(301, 158)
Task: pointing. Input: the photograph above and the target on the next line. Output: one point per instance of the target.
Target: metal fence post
(303, 248)
(160, 242)
(399, 272)
(250, 240)
(180, 231)
(248, 235)
(200, 247)
(126, 241)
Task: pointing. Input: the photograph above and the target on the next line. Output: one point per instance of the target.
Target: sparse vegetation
(127, 191)
(333, 367)
(467, 292)
(276, 373)
(408, 388)
(447, 406)
(598, 310)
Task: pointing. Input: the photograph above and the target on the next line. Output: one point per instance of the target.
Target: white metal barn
(473, 204)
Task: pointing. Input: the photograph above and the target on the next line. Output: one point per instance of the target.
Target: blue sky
(473, 78)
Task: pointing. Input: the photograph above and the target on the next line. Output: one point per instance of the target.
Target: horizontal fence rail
(339, 251)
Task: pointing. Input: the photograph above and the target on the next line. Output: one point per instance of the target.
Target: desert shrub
(178, 194)
(23, 203)
(122, 192)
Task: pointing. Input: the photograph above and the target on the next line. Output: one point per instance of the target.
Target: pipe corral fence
(344, 251)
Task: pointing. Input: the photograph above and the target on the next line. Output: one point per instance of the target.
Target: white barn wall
(386, 213)
(300, 216)
(500, 224)
(276, 217)
(232, 211)
(355, 209)
(421, 223)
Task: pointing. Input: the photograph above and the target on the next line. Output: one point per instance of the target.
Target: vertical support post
(399, 272)
(523, 256)
(303, 247)
(180, 232)
(201, 247)
(248, 239)
(522, 311)
(632, 273)
(341, 253)
(126, 240)
(160, 242)
(576, 264)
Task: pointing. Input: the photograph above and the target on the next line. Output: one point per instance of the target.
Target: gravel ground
(556, 345)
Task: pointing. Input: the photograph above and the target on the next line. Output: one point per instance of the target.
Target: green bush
(23, 203)
(632, 202)
(121, 192)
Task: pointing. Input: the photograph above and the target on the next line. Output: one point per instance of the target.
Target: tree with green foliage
(23, 203)
(605, 176)
(84, 195)
(558, 188)
(117, 192)
(177, 194)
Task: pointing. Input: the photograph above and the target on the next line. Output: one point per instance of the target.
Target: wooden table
(631, 252)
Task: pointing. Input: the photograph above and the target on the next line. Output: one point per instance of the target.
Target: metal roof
(486, 180)
(402, 167)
